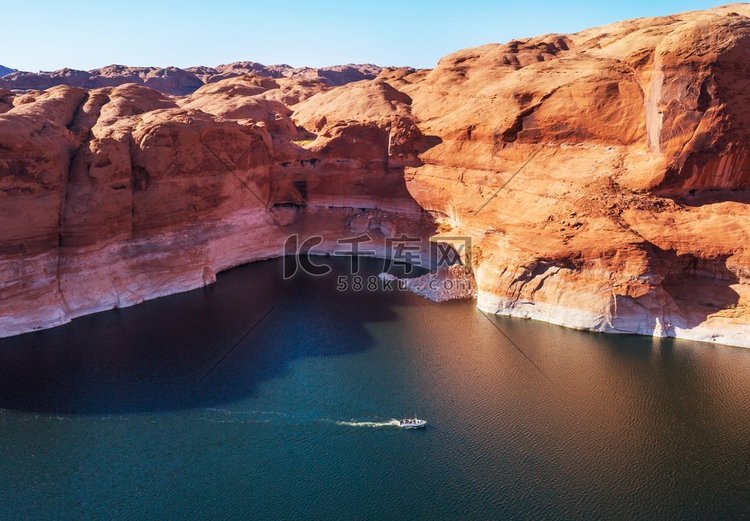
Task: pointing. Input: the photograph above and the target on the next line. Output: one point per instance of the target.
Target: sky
(47, 35)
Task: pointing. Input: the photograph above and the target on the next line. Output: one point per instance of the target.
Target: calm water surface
(257, 398)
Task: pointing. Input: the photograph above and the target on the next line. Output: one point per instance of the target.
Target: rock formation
(602, 177)
(335, 75)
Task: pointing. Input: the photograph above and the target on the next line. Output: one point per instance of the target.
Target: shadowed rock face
(602, 177)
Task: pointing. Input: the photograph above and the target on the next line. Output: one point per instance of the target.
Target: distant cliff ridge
(5, 70)
(603, 177)
(172, 80)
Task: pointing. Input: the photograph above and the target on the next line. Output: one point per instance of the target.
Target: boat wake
(229, 416)
(389, 423)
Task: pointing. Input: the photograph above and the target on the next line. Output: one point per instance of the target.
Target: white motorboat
(412, 423)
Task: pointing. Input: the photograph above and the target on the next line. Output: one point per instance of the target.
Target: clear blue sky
(80, 34)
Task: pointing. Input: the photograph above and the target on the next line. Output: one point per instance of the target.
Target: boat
(412, 423)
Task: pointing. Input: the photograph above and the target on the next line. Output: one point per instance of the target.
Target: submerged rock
(447, 283)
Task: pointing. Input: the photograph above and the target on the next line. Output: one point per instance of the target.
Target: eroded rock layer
(602, 177)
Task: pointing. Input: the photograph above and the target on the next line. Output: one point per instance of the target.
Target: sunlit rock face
(602, 178)
(602, 175)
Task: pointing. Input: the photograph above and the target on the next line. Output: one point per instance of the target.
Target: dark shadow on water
(194, 349)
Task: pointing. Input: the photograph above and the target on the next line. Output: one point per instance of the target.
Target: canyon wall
(603, 178)
(113, 196)
(603, 175)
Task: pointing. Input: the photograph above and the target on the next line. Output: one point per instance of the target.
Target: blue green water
(180, 408)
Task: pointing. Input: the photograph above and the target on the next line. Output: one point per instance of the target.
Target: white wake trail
(389, 423)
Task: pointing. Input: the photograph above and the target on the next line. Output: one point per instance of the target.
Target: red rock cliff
(603, 177)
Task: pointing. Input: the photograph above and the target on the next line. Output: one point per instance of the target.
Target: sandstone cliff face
(602, 177)
(116, 195)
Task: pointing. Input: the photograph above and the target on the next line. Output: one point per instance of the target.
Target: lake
(264, 398)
